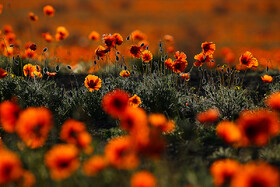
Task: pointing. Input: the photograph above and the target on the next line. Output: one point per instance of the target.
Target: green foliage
(190, 149)
(230, 101)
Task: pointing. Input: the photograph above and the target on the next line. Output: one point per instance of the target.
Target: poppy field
(139, 107)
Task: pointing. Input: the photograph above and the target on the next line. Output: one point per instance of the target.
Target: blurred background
(238, 24)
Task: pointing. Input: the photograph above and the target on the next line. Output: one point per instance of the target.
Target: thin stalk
(243, 78)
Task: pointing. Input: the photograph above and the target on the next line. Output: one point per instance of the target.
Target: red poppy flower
(135, 51)
(48, 10)
(208, 48)
(115, 103)
(248, 60)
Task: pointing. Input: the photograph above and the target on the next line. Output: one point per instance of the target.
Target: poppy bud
(45, 70)
(57, 68)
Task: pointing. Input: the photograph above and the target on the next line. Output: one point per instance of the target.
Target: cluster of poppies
(230, 171)
(33, 125)
(253, 128)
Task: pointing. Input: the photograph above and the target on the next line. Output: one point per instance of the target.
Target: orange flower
(256, 174)
(47, 37)
(36, 68)
(208, 48)
(36, 74)
(170, 49)
(185, 76)
(8, 116)
(124, 73)
(228, 131)
(160, 121)
(135, 51)
(48, 10)
(7, 29)
(147, 56)
(248, 60)
(223, 171)
(84, 142)
(118, 39)
(62, 160)
(138, 35)
(120, 154)
(74, 132)
(70, 131)
(168, 38)
(157, 120)
(143, 179)
(51, 74)
(257, 127)
(3, 73)
(36, 71)
(209, 116)
(28, 53)
(27, 69)
(179, 66)
(92, 82)
(101, 51)
(32, 16)
(109, 40)
(94, 36)
(267, 78)
(273, 101)
(28, 179)
(201, 58)
(168, 63)
(10, 167)
(133, 119)
(115, 103)
(180, 56)
(134, 101)
(11, 38)
(61, 33)
(94, 165)
(33, 126)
